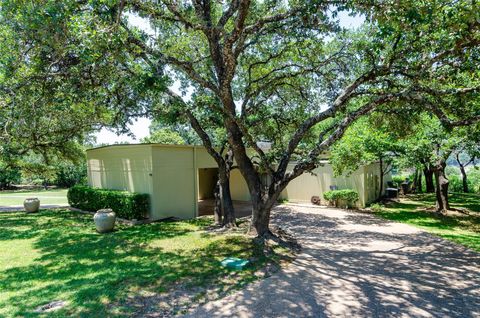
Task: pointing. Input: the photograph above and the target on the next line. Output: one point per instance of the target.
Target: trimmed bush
(125, 204)
(336, 196)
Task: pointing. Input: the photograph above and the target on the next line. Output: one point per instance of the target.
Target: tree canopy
(164, 136)
(277, 71)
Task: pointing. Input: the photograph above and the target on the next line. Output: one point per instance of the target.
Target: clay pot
(31, 205)
(104, 220)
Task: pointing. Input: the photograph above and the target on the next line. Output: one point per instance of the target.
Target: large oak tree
(285, 72)
(279, 70)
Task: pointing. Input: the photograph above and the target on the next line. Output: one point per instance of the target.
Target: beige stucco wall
(174, 182)
(307, 185)
(203, 158)
(364, 180)
(175, 177)
(372, 182)
(238, 186)
(126, 167)
(170, 174)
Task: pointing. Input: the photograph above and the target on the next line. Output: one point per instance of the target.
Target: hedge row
(347, 195)
(125, 204)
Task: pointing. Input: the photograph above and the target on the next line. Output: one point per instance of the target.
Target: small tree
(164, 136)
(68, 174)
(364, 143)
(9, 175)
(465, 155)
(430, 144)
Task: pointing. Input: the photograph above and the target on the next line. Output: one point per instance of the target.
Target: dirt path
(356, 265)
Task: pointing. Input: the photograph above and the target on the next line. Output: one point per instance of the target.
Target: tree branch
(207, 142)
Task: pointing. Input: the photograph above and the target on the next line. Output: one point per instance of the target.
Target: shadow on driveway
(357, 265)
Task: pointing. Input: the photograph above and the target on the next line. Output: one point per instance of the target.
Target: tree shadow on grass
(420, 218)
(91, 271)
(468, 201)
(413, 212)
(470, 240)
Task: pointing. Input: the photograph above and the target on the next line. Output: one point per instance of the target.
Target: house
(180, 178)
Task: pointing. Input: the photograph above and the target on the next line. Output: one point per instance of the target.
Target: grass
(51, 196)
(458, 227)
(56, 255)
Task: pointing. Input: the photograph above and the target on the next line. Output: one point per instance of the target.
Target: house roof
(263, 145)
(145, 144)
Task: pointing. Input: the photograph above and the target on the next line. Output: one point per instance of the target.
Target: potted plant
(104, 220)
(31, 205)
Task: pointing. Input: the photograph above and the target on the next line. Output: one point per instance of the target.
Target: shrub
(126, 205)
(69, 174)
(347, 195)
(455, 183)
(376, 207)
(9, 176)
(474, 179)
(398, 180)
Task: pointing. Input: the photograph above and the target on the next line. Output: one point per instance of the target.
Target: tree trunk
(419, 181)
(260, 212)
(430, 186)
(224, 211)
(415, 178)
(218, 210)
(464, 179)
(462, 170)
(229, 219)
(380, 190)
(262, 204)
(227, 203)
(441, 187)
(260, 219)
(223, 201)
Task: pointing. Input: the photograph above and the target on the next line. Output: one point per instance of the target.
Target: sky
(140, 127)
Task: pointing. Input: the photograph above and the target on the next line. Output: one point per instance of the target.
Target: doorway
(207, 180)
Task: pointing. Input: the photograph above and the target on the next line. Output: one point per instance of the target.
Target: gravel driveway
(356, 265)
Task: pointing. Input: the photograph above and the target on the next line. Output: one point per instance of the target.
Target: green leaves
(275, 71)
(125, 204)
(65, 71)
(164, 136)
(336, 196)
(364, 143)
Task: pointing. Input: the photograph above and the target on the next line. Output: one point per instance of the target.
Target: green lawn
(56, 255)
(458, 227)
(52, 196)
